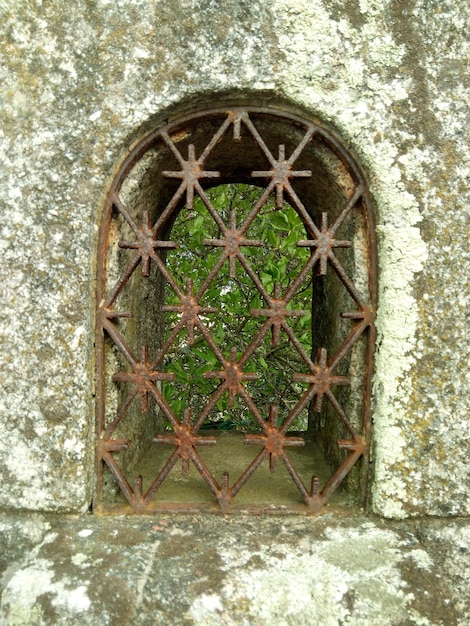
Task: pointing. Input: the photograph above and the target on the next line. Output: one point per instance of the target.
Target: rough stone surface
(79, 81)
(212, 570)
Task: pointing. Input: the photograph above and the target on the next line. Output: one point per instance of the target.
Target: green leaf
(272, 238)
(279, 220)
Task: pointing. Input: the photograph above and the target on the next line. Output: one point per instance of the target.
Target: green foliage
(278, 260)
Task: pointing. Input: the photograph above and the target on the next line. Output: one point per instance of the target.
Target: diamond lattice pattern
(143, 379)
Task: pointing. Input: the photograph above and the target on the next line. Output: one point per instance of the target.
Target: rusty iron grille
(178, 164)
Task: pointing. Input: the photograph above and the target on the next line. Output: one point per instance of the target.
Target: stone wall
(81, 81)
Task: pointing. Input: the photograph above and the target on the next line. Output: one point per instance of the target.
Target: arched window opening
(235, 322)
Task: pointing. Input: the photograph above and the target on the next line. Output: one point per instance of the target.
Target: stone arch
(289, 158)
